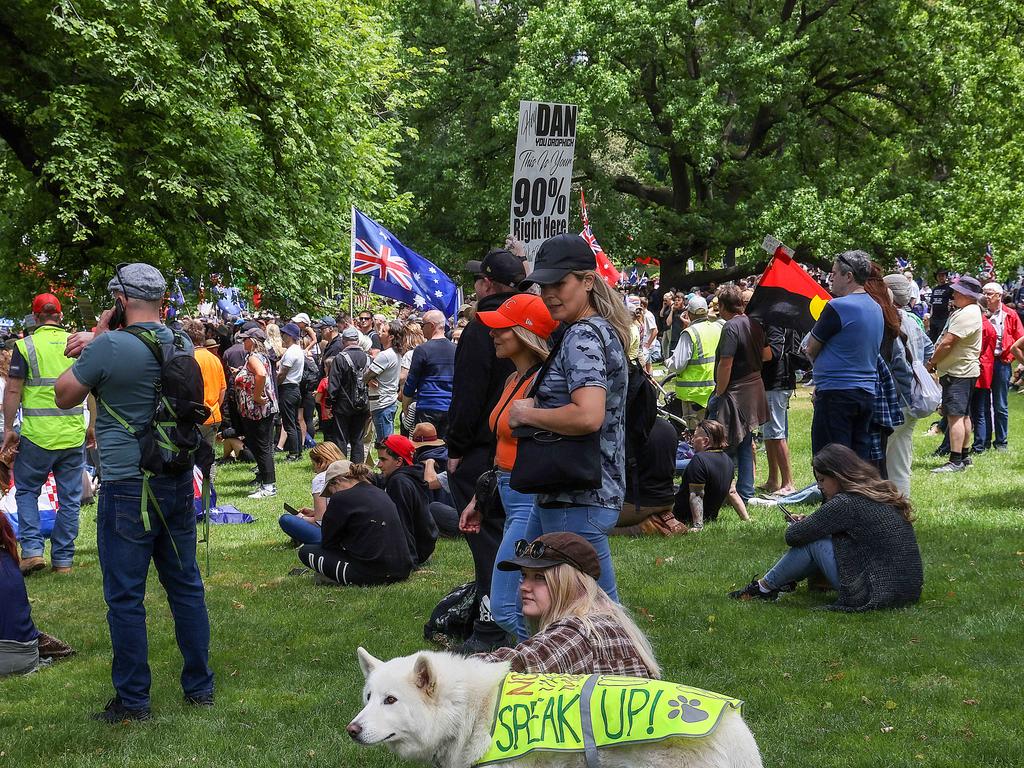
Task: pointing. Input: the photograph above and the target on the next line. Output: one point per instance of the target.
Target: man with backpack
(349, 396)
(144, 516)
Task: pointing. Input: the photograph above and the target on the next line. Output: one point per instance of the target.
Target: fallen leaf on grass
(866, 700)
(887, 729)
(971, 702)
(646, 614)
(237, 605)
(890, 704)
(967, 732)
(786, 675)
(834, 676)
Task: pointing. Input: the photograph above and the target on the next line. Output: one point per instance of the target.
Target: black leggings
(331, 565)
(259, 438)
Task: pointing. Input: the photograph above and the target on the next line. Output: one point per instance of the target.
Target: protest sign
(542, 176)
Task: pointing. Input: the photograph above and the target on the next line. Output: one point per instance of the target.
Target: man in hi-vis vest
(51, 438)
(693, 359)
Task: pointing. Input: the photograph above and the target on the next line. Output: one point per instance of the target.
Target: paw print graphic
(686, 710)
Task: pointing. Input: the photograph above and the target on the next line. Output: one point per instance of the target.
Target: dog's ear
(423, 675)
(366, 662)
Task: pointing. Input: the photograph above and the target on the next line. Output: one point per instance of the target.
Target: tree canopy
(200, 135)
(232, 136)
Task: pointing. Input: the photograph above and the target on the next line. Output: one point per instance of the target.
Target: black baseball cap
(558, 256)
(500, 265)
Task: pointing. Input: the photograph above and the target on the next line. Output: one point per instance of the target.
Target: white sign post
(542, 180)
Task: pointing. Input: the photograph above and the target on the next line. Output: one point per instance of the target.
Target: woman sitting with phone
(303, 525)
(578, 629)
(359, 545)
(861, 539)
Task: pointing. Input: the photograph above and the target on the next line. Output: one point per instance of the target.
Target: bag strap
(519, 383)
(554, 352)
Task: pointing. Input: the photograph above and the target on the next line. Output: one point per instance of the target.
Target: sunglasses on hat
(538, 550)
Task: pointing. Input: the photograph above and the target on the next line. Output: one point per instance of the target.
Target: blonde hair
(361, 473)
(274, 339)
(413, 336)
(532, 342)
(5, 361)
(325, 454)
(576, 594)
(608, 304)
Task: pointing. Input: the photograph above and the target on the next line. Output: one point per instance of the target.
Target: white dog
(439, 708)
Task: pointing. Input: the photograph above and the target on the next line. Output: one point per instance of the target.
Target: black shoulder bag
(550, 462)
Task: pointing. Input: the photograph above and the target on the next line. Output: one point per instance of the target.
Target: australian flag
(398, 272)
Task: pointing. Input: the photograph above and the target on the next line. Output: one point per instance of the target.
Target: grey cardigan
(876, 551)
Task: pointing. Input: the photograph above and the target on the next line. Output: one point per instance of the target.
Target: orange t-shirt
(505, 455)
(213, 381)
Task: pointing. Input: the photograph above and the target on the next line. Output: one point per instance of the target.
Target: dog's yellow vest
(583, 713)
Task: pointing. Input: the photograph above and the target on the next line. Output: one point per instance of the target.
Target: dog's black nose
(354, 729)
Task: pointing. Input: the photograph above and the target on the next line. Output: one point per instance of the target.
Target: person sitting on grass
(707, 479)
(358, 546)
(304, 527)
(578, 629)
(861, 539)
(403, 481)
(22, 647)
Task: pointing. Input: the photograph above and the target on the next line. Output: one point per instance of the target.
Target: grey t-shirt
(295, 361)
(122, 372)
(592, 358)
(386, 367)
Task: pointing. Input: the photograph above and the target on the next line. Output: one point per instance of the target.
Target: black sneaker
(200, 700)
(753, 592)
(294, 457)
(116, 712)
(940, 451)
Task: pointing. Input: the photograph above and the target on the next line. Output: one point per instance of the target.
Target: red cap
(525, 310)
(400, 445)
(45, 303)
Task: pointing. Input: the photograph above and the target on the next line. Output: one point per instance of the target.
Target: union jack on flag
(384, 264)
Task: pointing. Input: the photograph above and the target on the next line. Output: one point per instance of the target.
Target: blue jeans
(592, 523)
(743, 460)
(505, 606)
(842, 416)
(1000, 407)
(800, 562)
(300, 529)
(31, 468)
(981, 416)
(384, 421)
(125, 551)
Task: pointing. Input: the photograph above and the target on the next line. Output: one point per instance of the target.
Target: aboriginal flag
(786, 296)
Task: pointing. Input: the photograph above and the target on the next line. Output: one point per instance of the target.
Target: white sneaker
(263, 492)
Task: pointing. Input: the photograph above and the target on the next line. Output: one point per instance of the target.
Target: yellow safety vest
(696, 382)
(585, 713)
(42, 421)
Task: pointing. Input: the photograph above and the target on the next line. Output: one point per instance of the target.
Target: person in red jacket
(1009, 330)
(981, 397)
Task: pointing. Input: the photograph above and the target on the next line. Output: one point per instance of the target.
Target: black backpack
(351, 393)
(451, 621)
(171, 442)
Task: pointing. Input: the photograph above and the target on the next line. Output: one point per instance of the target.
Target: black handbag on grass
(550, 462)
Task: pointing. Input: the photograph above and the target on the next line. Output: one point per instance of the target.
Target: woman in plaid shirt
(579, 629)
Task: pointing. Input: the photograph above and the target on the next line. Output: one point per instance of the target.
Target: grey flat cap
(139, 281)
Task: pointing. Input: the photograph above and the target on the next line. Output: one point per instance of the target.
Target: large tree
(890, 125)
(201, 135)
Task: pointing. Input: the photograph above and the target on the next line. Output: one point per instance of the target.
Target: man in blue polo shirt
(844, 346)
(431, 372)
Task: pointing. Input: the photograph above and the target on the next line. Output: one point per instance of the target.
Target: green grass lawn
(939, 684)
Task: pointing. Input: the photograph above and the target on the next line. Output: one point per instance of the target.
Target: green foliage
(892, 125)
(201, 136)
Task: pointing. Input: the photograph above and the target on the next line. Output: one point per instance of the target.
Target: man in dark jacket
(478, 382)
(348, 396)
(403, 482)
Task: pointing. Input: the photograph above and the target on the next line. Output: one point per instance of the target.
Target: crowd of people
(507, 427)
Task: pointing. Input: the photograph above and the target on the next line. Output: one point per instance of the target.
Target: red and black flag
(786, 296)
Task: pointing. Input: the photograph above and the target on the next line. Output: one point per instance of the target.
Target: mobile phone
(789, 517)
(117, 318)
(290, 509)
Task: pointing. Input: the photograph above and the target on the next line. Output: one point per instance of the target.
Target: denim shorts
(777, 426)
(956, 394)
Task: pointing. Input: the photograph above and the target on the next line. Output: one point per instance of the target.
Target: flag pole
(351, 261)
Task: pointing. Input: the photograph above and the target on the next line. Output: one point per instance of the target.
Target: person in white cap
(308, 334)
(693, 359)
